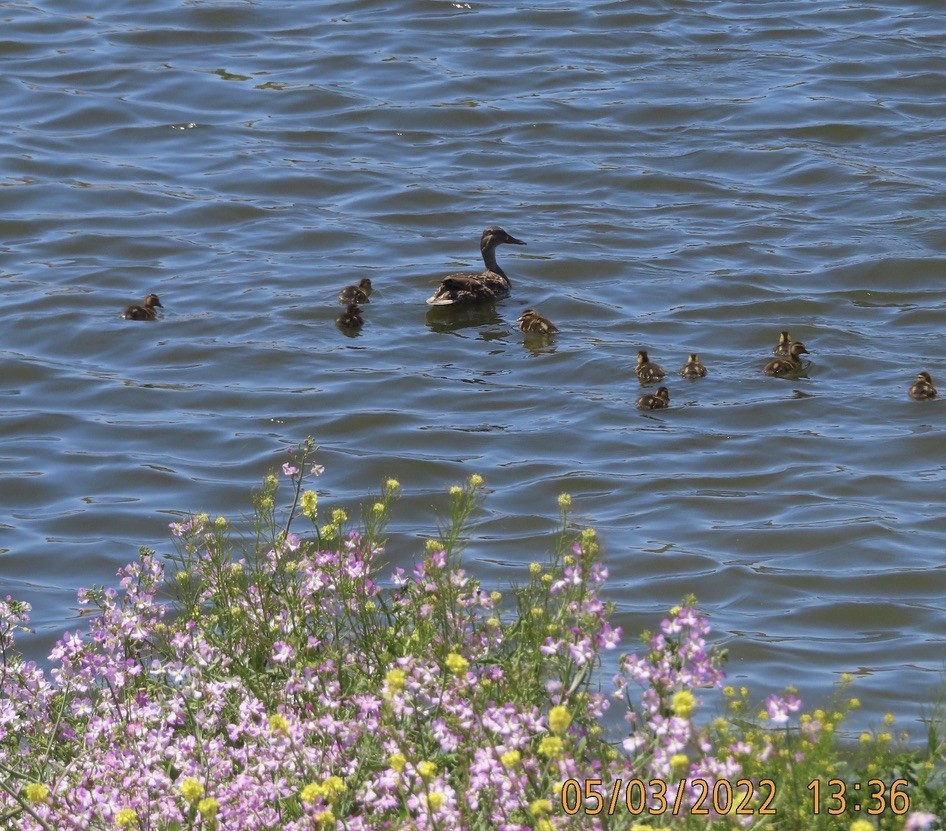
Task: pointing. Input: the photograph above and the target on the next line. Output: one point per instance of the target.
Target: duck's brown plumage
(922, 388)
(351, 318)
(655, 401)
(784, 345)
(693, 368)
(356, 294)
(491, 284)
(787, 365)
(646, 371)
(146, 311)
(532, 322)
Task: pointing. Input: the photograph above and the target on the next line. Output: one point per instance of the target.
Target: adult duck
(492, 284)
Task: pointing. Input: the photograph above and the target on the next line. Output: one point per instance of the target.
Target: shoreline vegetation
(282, 677)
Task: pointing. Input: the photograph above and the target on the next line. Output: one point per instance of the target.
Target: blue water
(688, 177)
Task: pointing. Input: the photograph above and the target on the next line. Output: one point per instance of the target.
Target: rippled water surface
(689, 176)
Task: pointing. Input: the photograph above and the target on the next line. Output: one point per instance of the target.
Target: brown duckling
(784, 346)
(532, 322)
(491, 284)
(356, 294)
(922, 388)
(693, 368)
(647, 372)
(145, 311)
(657, 401)
(787, 365)
(351, 318)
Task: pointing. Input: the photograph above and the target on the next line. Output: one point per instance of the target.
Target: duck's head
(798, 348)
(494, 236)
(642, 357)
(784, 338)
(693, 359)
(527, 314)
(663, 394)
(365, 285)
(925, 376)
(152, 300)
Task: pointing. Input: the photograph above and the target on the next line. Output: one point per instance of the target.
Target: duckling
(647, 371)
(784, 346)
(492, 284)
(356, 294)
(693, 368)
(532, 322)
(351, 318)
(922, 388)
(658, 401)
(145, 311)
(787, 365)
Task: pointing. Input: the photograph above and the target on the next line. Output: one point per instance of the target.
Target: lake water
(689, 176)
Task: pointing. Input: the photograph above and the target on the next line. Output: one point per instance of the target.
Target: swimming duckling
(693, 368)
(922, 388)
(658, 401)
(787, 365)
(784, 346)
(144, 312)
(532, 322)
(492, 284)
(356, 294)
(647, 371)
(351, 318)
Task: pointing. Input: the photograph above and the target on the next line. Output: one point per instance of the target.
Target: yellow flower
(309, 504)
(510, 758)
(457, 664)
(476, 481)
(311, 792)
(36, 792)
(889, 718)
(434, 800)
(339, 517)
(396, 761)
(456, 490)
(378, 508)
(191, 789)
(543, 825)
(279, 724)
(551, 747)
(564, 501)
(679, 762)
(864, 738)
(683, 704)
(854, 703)
(392, 485)
(540, 807)
(396, 680)
(334, 787)
(208, 808)
(535, 569)
(125, 817)
(325, 817)
(861, 825)
(495, 596)
(427, 770)
(221, 522)
(559, 719)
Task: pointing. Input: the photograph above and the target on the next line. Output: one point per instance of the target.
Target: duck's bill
(514, 241)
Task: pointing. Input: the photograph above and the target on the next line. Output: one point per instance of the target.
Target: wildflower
(864, 738)
(854, 703)
(279, 724)
(378, 508)
(339, 517)
(392, 485)
(510, 758)
(564, 501)
(208, 808)
(311, 792)
(395, 681)
(435, 800)
(125, 818)
(456, 491)
(325, 818)
(919, 821)
(476, 481)
(317, 470)
(427, 770)
(396, 761)
(778, 708)
(308, 504)
(543, 825)
(861, 825)
(535, 569)
(539, 807)
(457, 664)
(220, 522)
(679, 762)
(36, 792)
(683, 704)
(551, 747)
(191, 789)
(290, 470)
(334, 787)
(559, 719)
(889, 718)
